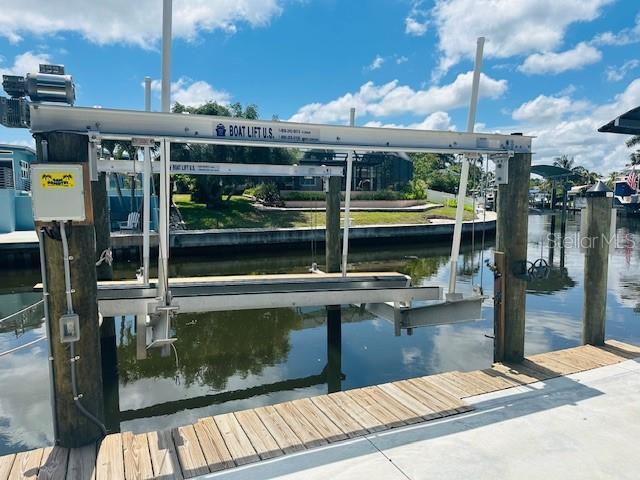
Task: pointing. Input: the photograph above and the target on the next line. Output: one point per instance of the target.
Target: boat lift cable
(68, 290)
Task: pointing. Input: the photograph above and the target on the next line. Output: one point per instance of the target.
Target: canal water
(235, 360)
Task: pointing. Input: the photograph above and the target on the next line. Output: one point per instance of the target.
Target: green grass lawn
(238, 212)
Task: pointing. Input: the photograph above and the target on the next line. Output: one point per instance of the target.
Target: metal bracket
(502, 170)
(95, 142)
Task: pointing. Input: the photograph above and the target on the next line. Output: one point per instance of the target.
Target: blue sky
(556, 69)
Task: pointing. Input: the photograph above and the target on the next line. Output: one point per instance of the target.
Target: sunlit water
(234, 360)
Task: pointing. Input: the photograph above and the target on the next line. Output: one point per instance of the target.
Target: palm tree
(611, 179)
(563, 161)
(634, 156)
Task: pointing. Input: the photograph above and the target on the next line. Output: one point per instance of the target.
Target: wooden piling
(595, 242)
(511, 240)
(73, 428)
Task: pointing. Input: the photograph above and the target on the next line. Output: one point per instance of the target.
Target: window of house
(308, 181)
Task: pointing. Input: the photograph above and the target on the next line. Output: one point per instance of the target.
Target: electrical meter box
(58, 192)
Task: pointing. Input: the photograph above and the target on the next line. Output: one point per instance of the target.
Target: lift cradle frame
(388, 295)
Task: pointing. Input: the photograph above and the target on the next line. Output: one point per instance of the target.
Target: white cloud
(435, 121)
(544, 108)
(193, 94)
(625, 36)
(123, 21)
(402, 59)
(377, 63)
(616, 74)
(552, 62)
(512, 28)
(416, 23)
(575, 133)
(394, 99)
(27, 62)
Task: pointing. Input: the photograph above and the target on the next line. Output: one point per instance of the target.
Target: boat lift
(389, 295)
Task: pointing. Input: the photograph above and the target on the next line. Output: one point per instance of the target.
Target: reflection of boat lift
(390, 295)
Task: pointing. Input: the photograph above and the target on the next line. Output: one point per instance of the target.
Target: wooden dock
(234, 439)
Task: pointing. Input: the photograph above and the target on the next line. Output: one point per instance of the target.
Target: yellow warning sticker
(57, 180)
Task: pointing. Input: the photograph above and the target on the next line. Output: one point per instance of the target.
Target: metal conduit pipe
(45, 299)
(67, 285)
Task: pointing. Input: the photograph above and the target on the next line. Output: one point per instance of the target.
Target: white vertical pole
(347, 200)
(146, 192)
(147, 94)
(464, 175)
(166, 54)
(146, 213)
(163, 234)
(347, 219)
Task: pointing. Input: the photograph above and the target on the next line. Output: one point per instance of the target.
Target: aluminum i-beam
(180, 128)
(303, 297)
(237, 169)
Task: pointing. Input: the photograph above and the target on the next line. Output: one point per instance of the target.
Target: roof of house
(17, 147)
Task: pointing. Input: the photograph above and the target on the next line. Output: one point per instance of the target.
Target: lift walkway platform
(232, 440)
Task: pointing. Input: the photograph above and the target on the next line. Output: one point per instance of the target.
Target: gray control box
(58, 192)
(69, 328)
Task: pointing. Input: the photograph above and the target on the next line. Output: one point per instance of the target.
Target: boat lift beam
(209, 129)
(235, 169)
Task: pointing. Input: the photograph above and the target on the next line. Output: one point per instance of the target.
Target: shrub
(268, 194)
(415, 190)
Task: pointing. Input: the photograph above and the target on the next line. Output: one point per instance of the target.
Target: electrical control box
(69, 328)
(58, 192)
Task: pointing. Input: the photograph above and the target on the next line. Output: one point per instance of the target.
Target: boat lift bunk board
(158, 301)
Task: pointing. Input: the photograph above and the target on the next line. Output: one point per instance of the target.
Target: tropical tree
(634, 156)
(564, 161)
(210, 189)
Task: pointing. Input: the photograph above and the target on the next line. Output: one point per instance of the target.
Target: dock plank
(110, 460)
(445, 384)
(495, 382)
(301, 426)
(347, 424)
(263, 442)
(164, 458)
(137, 460)
(6, 462)
(386, 417)
(236, 440)
(26, 464)
(466, 383)
(445, 397)
(576, 361)
(602, 354)
(516, 375)
(286, 439)
(623, 350)
(409, 401)
(53, 465)
(215, 450)
(549, 363)
(82, 463)
(357, 411)
(190, 456)
(325, 426)
(392, 405)
(432, 402)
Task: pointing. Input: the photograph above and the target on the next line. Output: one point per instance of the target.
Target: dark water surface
(234, 360)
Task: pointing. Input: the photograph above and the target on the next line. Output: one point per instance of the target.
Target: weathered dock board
(233, 439)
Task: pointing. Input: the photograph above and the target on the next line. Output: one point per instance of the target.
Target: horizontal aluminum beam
(180, 128)
(439, 313)
(303, 297)
(239, 169)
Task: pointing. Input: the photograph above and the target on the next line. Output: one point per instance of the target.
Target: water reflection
(234, 360)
